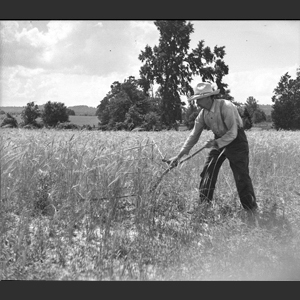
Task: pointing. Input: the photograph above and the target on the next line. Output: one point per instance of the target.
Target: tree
(172, 67)
(252, 105)
(259, 116)
(53, 113)
(30, 113)
(152, 121)
(102, 112)
(225, 94)
(70, 112)
(286, 99)
(133, 117)
(124, 106)
(256, 114)
(247, 120)
(244, 114)
(190, 115)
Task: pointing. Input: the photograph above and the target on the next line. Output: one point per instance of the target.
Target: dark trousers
(237, 152)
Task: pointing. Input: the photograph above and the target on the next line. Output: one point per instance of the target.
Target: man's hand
(173, 162)
(211, 144)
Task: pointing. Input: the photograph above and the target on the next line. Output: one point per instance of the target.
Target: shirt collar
(212, 109)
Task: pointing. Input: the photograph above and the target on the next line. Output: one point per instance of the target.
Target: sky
(76, 61)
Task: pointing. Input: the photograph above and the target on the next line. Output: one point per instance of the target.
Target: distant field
(84, 120)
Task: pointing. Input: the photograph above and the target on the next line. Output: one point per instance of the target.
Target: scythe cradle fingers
(173, 166)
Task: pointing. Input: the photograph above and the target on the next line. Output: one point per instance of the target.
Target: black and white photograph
(150, 150)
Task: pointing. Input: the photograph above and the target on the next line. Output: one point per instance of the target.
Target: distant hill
(80, 110)
(267, 108)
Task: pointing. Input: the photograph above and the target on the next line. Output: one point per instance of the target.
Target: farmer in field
(222, 117)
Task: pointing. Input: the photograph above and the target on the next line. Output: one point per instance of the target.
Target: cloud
(80, 47)
(76, 61)
(259, 84)
(20, 85)
(69, 61)
(144, 33)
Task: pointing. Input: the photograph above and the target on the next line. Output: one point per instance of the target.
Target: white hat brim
(195, 97)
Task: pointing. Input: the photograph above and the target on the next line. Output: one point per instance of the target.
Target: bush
(259, 116)
(103, 127)
(247, 120)
(152, 121)
(70, 112)
(30, 113)
(67, 125)
(53, 113)
(87, 127)
(9, 120)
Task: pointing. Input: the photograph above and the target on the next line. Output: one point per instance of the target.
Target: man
(222, 117)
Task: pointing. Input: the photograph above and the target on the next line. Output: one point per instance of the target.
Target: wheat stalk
(155, 185)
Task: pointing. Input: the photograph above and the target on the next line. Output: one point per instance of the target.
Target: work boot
(252, 217)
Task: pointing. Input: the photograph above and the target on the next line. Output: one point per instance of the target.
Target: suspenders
(221, 112)
(222, 117)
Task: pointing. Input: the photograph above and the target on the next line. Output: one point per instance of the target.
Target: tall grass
(77, 205)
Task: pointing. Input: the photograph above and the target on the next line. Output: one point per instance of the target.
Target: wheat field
(77, 205)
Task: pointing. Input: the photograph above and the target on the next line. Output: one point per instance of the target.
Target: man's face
(201, 101)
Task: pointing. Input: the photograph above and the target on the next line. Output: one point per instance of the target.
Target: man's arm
(192, 139)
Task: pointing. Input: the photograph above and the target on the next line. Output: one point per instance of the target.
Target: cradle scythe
(154, 186)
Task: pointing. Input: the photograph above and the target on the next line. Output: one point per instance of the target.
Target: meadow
(79, 205)
(84, 120)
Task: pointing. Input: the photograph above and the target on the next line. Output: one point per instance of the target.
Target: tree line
(171, 66)
(53, 114)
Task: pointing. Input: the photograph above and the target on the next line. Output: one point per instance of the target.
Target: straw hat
(202, 90)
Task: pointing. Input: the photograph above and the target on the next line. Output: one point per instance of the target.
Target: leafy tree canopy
(70, 112)
(286, 99)
(30, 113)
(125, 106)
(256, 114)
(172, 66)
(53, 113)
